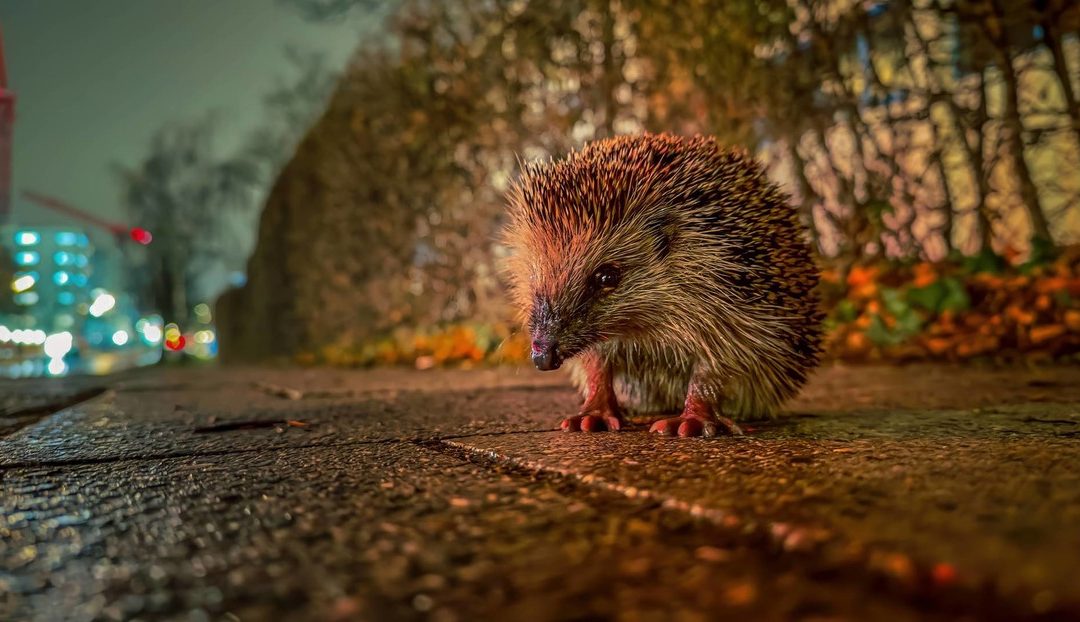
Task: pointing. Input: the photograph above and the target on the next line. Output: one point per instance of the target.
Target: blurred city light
(27, 258)
(150, 328)
(102, 304)
(141, 236)
(202, 313)
(120, 337)
(22, 336)
(57, 367)
(174, 340)
(23, 281)
(26, 238)
(58, 345)
(71, 238)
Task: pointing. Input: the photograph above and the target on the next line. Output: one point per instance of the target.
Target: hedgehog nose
(545, 354)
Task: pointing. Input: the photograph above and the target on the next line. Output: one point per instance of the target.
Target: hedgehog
(670, 276)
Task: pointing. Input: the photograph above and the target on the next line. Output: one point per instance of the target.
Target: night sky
(95, 79)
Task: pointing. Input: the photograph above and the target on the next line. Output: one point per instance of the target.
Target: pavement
(280, 494)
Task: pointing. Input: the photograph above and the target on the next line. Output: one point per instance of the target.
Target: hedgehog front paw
(695, 425)
(594, 421)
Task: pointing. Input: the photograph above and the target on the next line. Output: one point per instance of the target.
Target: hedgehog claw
(586, 422)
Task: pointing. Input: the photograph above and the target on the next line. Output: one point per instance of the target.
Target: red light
(142, 236)
(176, 344)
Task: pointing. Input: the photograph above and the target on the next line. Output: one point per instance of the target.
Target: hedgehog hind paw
(696, 426)
(595, 421)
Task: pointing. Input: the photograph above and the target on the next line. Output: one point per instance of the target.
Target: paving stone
(886, 493)
(397, 531)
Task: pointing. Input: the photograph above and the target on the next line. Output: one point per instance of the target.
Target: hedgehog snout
(545, 353)
(545, 342)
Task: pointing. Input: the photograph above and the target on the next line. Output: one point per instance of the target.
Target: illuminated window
(60, 277)
(27, 258)
(79, 280)
(26, 298)
(23, 281)
(67, 238)
(26, 238)
(80, 260)
(63, 258)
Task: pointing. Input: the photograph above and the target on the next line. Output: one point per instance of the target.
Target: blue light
(81, 261)
(26, 238)
(71, 238)
(62, 258)
(79, 280)
(27, 258)
(65, 298)
(60, 277)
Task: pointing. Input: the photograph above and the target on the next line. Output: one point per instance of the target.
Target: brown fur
(717, 280)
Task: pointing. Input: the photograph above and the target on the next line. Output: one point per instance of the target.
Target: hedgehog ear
(664, 229)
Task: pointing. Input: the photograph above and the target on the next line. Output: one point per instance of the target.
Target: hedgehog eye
(606, 277)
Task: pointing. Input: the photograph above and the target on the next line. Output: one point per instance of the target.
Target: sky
(95, 79)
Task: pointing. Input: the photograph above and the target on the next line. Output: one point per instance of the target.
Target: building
(52, 278)
(67, 309)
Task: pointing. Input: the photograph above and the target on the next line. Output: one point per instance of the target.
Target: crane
(7, 126)
(137, 234)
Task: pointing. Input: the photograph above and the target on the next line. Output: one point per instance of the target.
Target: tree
(886, 120)
(187, 196)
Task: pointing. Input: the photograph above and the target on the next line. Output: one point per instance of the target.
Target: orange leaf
(869, 290)
(1051, 285)
(1042, 334)
(860, 276)
(938, 345)
(976, 345)
(1072, 320)
(924, 275)
(1018, 315)
(857, 342)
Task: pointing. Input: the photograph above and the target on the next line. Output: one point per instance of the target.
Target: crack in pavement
(176, 455)
(839, 557)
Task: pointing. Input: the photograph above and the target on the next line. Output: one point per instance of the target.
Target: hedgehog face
(591, 287)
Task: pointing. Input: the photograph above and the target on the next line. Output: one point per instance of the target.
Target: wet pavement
(258, 494)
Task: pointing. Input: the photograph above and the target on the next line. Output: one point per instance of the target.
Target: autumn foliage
(978, 308)
(956, 311)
